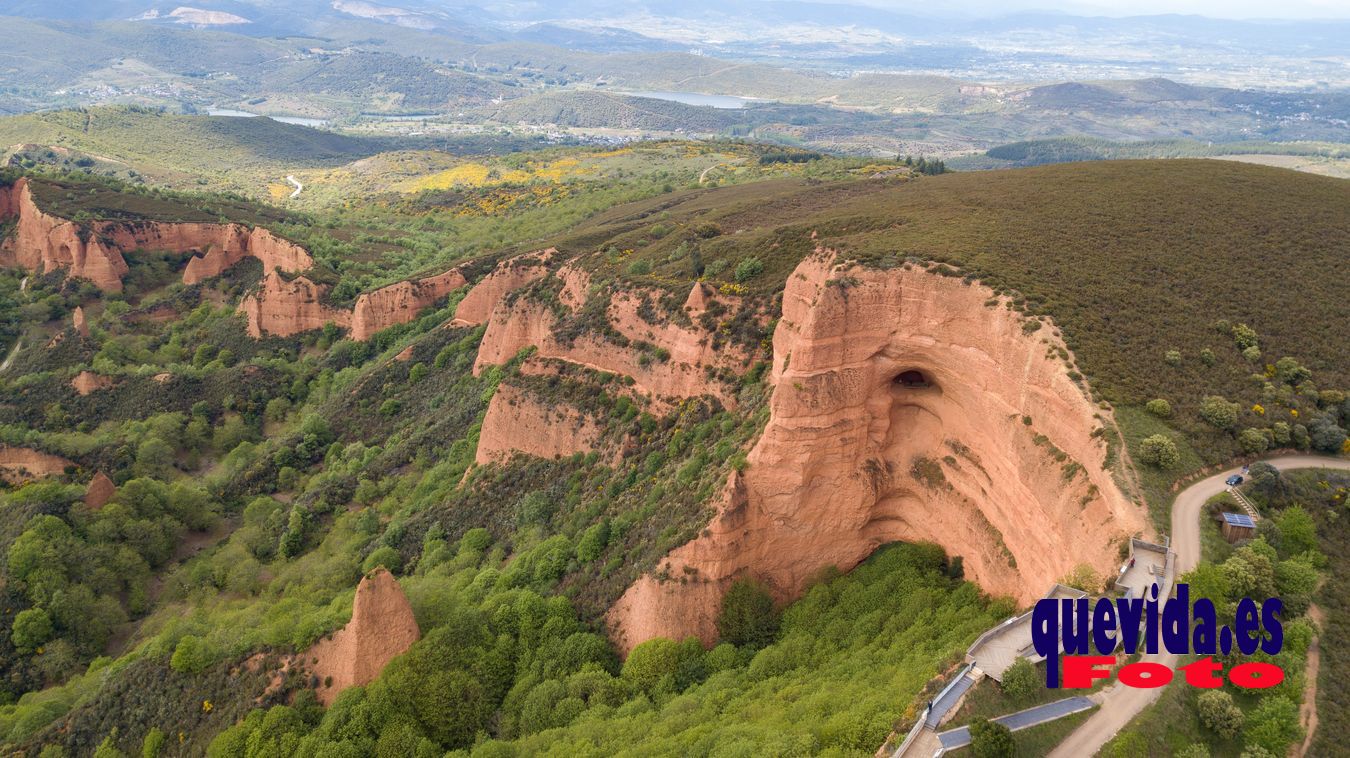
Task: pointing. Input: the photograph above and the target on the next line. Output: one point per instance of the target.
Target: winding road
(295, 183)
(1121, 704)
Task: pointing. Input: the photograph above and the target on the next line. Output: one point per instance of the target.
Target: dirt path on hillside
(18, 343)
(1307, 713)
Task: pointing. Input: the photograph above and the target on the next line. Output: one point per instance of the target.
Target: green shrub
(384, 556)
(32, 629)
(1253, 440)
(1159, 450)
(1159, 407)
(749, 269)
(1219, 713)
(1218, 411)
(748, 617)
(1022, 679)
(991, 740)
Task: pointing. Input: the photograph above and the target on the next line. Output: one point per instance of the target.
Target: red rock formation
(101, 490)
(86, 382)
(227, 244)
(699, 297)
(400, 303)
(77, 321)
(684, 374)
(859, 452)
(576, 286)
(19, 464)
(381, 629)
(519, 422)
(511, 274)
(283, 308)
(43, 243)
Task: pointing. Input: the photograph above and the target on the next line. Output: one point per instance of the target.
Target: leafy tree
(748, 616)
(1193, 750)
(1273, 724)
(32, 629)
(1159, 450)
(1296, 581)
(1290, 372)
(535, 508)
(384, 556)
(1219, 713)
(1253, 440)
(1218, 411)
(1295, 531)
(154, 458)
(192, 655)
(989, 739)
(1159, 407)
(1244, 336)
(651, 666)
(1021, 679)
(593, 542)
(1173, 357)
(1325, 436)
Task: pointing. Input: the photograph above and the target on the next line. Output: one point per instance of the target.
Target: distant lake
(312, 122)
(698, 98)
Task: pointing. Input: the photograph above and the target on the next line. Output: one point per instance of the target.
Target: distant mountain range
(836, 77)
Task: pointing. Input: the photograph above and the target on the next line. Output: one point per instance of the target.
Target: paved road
(1121, 704)
(960, 737)
(298, 186)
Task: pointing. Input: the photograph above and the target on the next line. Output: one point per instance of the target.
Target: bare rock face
(284, 308)
(903, 409)
(44, 243)
(399, 303)
(79, 323)
(227, 244)
(513, 324)
(381, 629)
(87, 382)
(101, 490)
(510, 275)
(19, 464)
(519, 422)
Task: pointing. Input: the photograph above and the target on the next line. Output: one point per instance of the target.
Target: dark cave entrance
(911, 379)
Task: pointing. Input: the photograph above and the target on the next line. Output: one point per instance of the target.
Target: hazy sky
(1212, 8)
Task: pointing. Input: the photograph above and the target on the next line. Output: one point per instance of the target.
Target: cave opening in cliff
(912, 379)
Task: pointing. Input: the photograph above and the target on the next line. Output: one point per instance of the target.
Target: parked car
(1234, 480)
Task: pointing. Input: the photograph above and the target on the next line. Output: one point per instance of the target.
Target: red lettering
(1145, 675)
(1080, 670)
(1256, 675)
(1201, 673)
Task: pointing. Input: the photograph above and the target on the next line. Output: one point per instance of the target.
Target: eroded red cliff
(904, 408)
(282, 308)
(518, 421)
(400, 303)
(94, 251)
(668, 361)
(382, 627)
